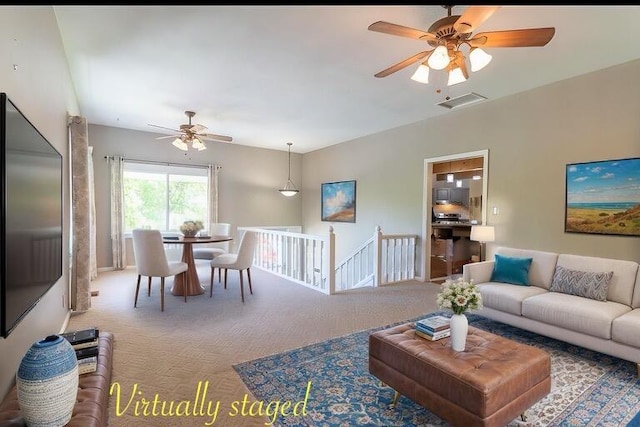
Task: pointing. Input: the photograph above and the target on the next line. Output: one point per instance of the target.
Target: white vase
(459, 327)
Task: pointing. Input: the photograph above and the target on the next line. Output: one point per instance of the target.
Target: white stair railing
(303, 258)
(310, 260)
(397, 257)
(358, 269)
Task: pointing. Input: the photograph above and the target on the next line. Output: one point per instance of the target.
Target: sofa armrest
(479, 272)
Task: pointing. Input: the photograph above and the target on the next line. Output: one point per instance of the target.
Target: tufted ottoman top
(490, 373)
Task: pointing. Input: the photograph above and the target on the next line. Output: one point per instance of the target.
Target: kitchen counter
(452, 224)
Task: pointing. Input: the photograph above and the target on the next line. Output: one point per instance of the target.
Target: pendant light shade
(289, 189)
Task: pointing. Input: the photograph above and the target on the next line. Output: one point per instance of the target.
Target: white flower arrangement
(191, 228)
(459, 296)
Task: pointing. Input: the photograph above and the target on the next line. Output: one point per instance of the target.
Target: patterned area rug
(588, 388)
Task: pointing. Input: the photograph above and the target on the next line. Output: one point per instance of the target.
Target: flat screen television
(31, 209)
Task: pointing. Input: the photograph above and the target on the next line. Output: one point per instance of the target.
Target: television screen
(31, 249)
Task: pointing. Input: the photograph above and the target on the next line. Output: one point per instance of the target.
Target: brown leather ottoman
(489, 384)
(91, 409)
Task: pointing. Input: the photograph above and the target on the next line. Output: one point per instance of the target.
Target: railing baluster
(304, 259)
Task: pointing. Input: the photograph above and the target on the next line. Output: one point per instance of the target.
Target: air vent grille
(460, 101)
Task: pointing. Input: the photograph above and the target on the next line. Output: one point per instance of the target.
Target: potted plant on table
(191, 228)
(459, 296)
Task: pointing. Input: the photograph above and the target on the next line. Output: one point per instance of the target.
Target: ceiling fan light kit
(289, 189)
(179, 143)
(449, 34)
(190, 133)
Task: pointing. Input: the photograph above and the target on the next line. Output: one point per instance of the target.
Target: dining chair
(241, 261)
(151, 261)
(214, 249)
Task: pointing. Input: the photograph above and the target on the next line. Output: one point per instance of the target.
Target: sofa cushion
(507, 298)
(586, 284)
(575, 313)
(624, 274)
(625, 328)
(513, 270)
(542, 267)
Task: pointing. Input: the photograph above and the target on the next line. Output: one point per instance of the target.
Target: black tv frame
(43, 257)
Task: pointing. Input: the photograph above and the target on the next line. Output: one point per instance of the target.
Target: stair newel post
(331, 261)
(377, 256)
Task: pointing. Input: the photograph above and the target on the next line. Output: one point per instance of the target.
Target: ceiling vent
(460, 101)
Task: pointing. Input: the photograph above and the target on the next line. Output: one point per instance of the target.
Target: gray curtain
(80, 206)
(118, 249)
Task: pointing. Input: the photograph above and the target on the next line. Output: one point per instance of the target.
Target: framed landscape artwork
(338, 201)
(603, 197)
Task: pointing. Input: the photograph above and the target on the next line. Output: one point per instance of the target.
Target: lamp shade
(179, 143)
(289, 189)
(479, 59)
(421, 75)
(439, 58)
(482, 233)
(456, 76)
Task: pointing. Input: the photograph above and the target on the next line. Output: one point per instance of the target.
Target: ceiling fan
(190, 133)
(447, 35)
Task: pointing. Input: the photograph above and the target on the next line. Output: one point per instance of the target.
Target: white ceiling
(268, 75)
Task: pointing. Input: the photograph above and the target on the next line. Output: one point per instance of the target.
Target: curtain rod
(162, 163)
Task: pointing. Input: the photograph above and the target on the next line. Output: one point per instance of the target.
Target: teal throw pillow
(512, 270)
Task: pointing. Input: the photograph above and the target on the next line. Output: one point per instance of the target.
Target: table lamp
(482, 234)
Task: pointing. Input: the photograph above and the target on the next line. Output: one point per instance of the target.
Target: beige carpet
(168, 353)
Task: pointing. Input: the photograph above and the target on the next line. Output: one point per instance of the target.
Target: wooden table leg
(189, 281)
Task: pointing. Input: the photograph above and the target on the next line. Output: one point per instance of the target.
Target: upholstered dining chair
(214, 249)
(151, 261)
(241, 261)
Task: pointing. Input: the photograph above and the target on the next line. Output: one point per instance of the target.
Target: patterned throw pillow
(581, 283)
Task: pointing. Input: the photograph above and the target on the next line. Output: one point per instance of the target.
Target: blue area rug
(588, 388)
(635, 422)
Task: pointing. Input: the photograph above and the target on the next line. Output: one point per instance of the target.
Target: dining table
(189, 283)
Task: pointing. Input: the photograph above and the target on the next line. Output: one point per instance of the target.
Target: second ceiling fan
(449, 34)
(192, 134)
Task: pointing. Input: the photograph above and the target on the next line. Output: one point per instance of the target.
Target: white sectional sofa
(611, 326)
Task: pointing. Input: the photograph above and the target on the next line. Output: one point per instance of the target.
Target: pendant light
(289, 189)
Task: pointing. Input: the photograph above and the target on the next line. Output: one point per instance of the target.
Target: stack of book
(85, 343)
(433, 328)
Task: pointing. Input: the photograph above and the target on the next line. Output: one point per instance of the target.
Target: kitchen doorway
(454, 219)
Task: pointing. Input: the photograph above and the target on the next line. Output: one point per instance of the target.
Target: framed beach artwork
(338, 201)
(603, 197)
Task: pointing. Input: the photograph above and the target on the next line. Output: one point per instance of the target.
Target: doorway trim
(427, 191)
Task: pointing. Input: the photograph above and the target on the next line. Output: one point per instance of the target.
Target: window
(163, 196)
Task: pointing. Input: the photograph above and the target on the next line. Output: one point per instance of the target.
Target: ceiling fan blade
(402, 64)
(169, 136)
(513, 38)
(400, 30)
(197, 128)
(472, 18)
(214, 137)
(162, 127)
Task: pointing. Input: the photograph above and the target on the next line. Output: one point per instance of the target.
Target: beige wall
(41, 88)
(530, 137)
(248, 182)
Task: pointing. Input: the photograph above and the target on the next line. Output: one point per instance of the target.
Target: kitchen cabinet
(452, 195)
